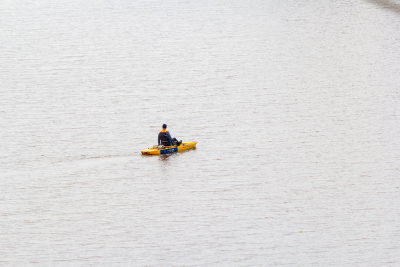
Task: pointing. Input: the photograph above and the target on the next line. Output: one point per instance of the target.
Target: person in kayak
(164, 138)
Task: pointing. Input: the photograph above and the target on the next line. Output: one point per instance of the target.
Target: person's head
(164, 126)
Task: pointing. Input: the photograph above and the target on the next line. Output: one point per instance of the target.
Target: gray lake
(295, 106)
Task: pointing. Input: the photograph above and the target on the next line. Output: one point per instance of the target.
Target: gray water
(295, 106)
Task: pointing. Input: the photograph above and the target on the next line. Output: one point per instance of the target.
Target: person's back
(164, 138)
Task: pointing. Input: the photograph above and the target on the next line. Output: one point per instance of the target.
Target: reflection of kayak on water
(164, 150)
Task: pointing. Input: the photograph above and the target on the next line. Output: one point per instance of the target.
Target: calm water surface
(295, 105)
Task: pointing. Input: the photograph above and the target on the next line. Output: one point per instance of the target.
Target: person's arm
(159, 139)
(169, 137)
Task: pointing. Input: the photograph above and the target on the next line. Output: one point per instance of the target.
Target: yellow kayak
(164, 150)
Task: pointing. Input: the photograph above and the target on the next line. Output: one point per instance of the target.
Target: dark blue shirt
(164, 138)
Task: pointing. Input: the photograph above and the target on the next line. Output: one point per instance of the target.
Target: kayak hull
(165, 150)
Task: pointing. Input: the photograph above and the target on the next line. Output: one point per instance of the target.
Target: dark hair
(164, 126)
